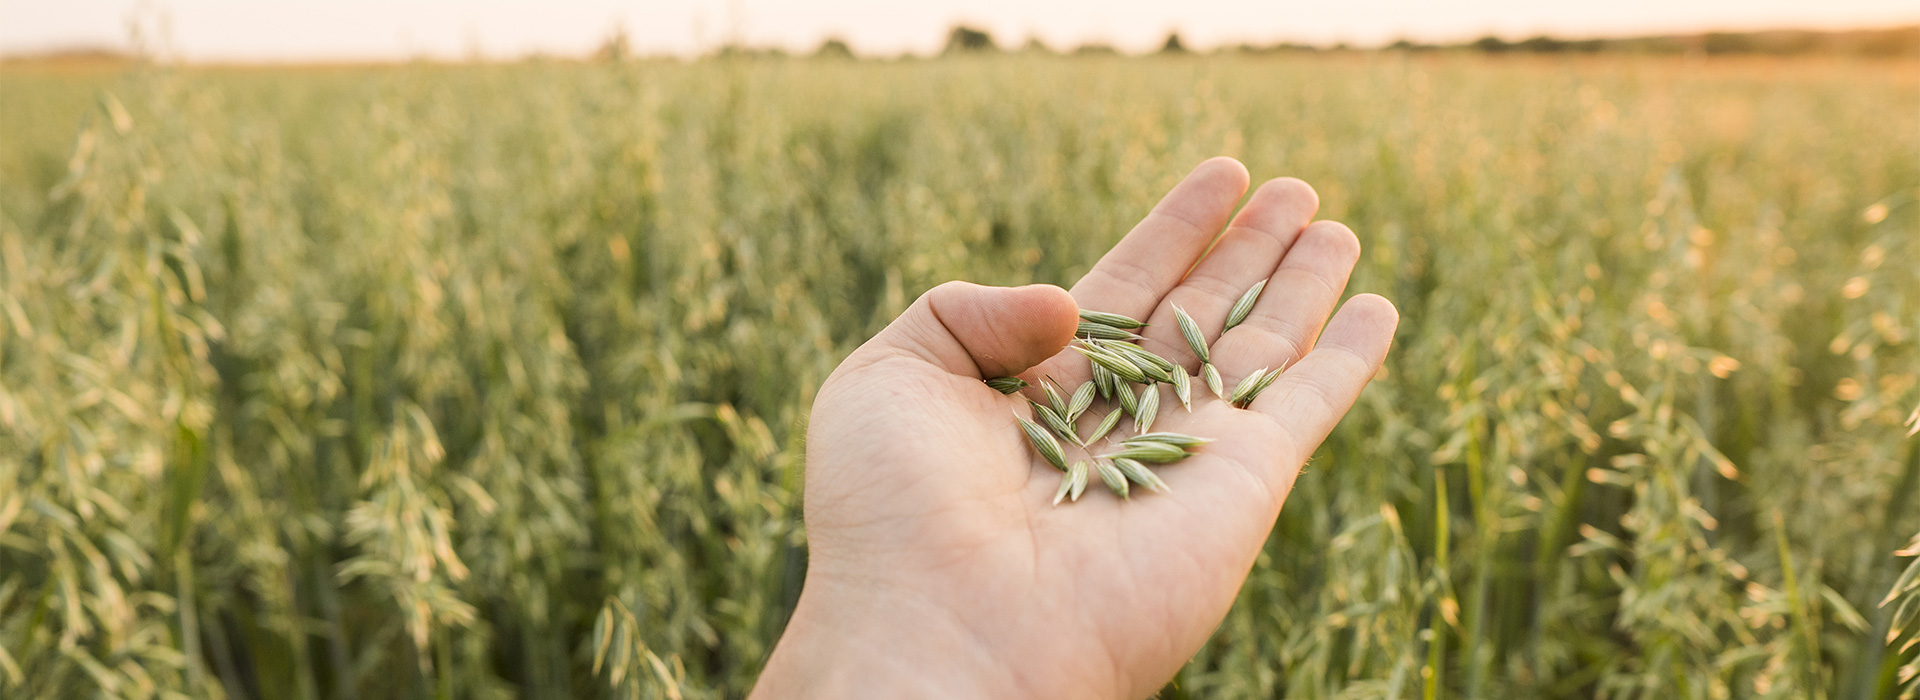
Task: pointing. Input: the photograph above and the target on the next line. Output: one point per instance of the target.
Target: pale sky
(306, 30)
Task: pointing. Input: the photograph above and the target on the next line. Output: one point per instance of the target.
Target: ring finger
(1295, 304)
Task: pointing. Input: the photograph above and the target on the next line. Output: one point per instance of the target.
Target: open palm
(938, 565)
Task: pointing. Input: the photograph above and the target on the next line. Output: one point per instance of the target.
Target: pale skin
(939, 566)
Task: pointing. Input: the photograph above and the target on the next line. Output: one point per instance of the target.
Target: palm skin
(939, 566)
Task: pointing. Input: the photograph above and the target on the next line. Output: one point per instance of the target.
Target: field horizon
(1889, 41)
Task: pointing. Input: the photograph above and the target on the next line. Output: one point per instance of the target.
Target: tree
(1490, 44)
(1542, 44)
(616, 48)
(1173, 44)
(965, 39)
(833, 47)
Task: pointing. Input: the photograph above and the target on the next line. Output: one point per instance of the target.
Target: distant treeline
(963, 39)
(1864, 42)
(1896, 41)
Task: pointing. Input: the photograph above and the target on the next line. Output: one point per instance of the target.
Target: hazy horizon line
(122, 51)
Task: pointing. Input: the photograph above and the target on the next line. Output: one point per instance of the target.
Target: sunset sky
(302, 30)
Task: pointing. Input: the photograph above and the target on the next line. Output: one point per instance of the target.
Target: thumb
(983, 332)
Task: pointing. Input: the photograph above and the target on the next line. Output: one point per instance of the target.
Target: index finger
(1152, 259)
(1156, 254)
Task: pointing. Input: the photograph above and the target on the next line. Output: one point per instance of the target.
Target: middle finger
(1248, 252)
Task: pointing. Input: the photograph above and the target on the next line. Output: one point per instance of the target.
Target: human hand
(938, 565)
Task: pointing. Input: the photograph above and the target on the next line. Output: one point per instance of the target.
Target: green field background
(491, 381)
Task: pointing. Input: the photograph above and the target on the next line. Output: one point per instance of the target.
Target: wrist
(858, 641)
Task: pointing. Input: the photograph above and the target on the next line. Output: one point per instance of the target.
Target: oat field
(490, 381)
